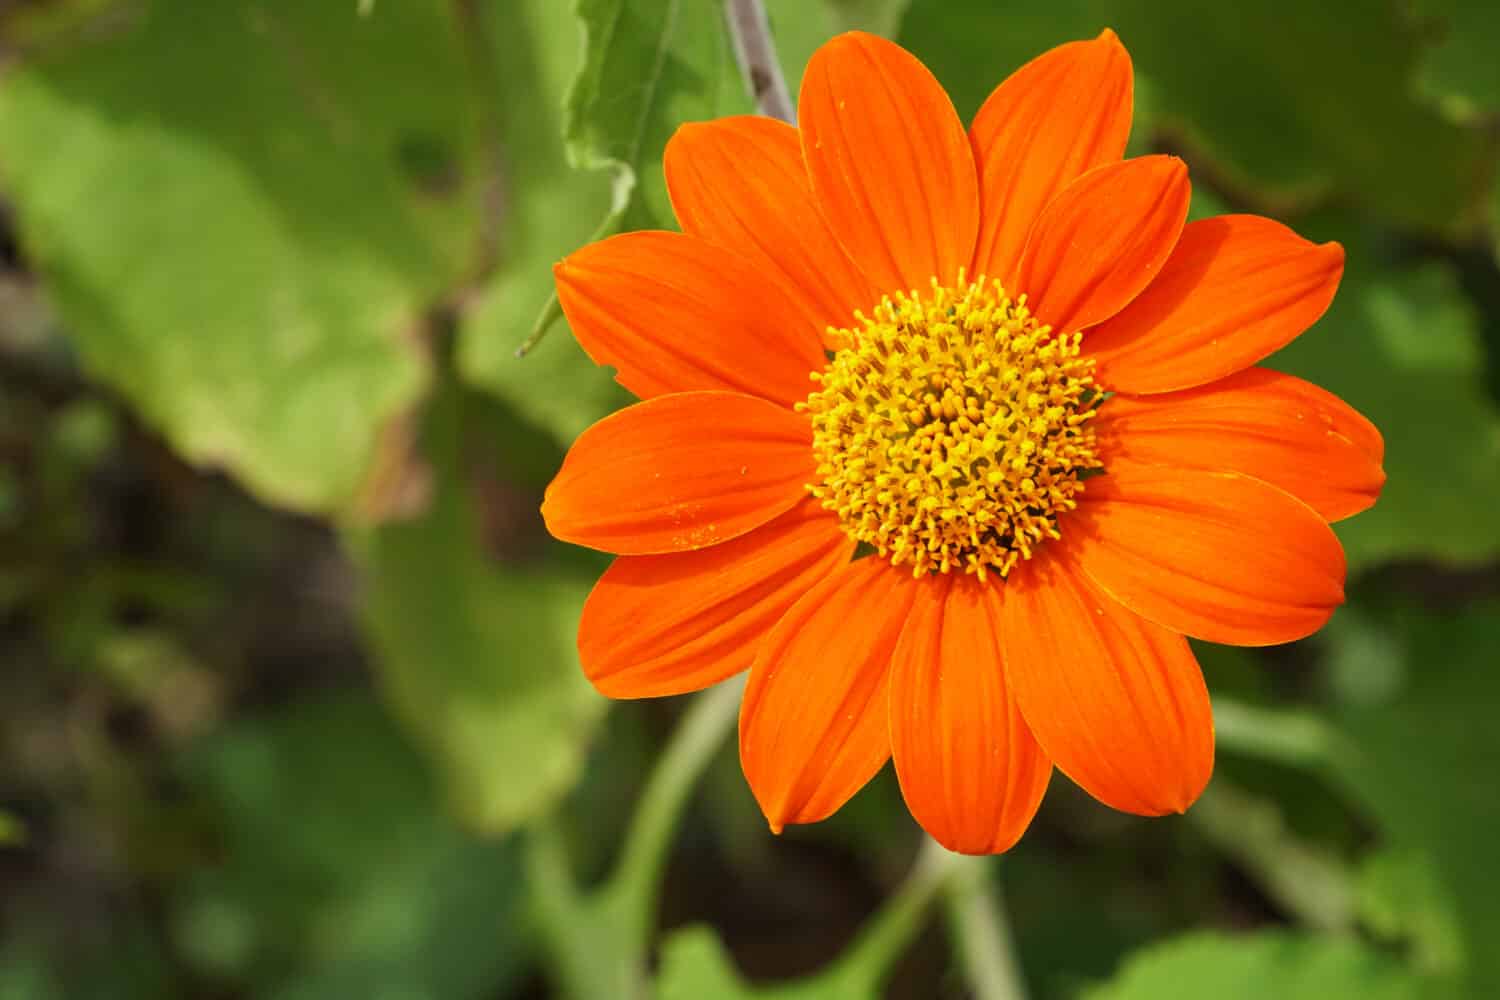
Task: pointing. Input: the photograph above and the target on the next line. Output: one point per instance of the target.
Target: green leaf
(1254, 966)
(1403, 899)
(1416, 755)
(1422, 765)
(648, 66)
(972, 45)
(1289, 102)
(551, 210)
(882, 17)
(1306, 100)
(798, 27)
(695, 964)
(478, 657)
(341, 875)
(1402, 345)
(622, 109)
(1459, 69)
(243, 211)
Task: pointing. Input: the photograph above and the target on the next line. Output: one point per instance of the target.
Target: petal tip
(844, 40)
(1188, 796)
(1173, 798)
(1334, 251)
(1187, 802)
(1169, 174)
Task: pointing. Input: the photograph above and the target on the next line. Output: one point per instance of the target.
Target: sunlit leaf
(243, 211)
(549, 210)
(648, 66)
(695, 964)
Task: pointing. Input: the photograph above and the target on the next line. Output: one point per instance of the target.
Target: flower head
(952, 437)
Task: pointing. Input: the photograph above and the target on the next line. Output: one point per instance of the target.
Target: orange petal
(1062, 114)
(1236, 288)
(1102, 240)
(740, 182)
(672, 313)
(680, 472)
(889, 162)
(1118, 703)
(1261, 423)
(661, 625)
(813, 725)
(1214, 555)
(970, 770)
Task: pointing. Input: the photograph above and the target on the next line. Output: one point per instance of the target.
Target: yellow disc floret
(951, 430)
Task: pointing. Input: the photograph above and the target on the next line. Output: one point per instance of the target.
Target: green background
(289, 702)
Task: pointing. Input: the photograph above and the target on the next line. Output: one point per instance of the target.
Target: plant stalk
(750, 32)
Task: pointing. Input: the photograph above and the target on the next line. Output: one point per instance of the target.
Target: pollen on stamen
(952, 429)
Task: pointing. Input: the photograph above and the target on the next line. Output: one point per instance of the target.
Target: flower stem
(976, 913)
(579, 947)
(1287, 736)
(750, 32)
(637, 874)
(863, 967)
(881, 941)
(1312, 884)
(597, 941)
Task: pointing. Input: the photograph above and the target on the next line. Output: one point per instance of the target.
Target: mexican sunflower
(951, 437)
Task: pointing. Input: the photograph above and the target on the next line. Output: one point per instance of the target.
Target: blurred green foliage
(441, 604)
(282, 190)
(288, 656)
(1259, 965)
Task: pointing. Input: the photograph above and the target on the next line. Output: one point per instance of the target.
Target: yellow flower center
(951, 430)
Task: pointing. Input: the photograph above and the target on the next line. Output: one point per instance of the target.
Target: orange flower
(999, 363)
